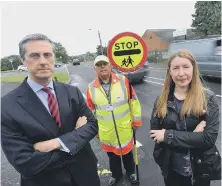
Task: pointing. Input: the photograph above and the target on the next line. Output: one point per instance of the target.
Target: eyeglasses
(101, 64)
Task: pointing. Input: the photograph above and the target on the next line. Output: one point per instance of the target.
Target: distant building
(158, 40)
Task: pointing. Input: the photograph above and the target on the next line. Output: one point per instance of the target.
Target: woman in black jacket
(184, 126)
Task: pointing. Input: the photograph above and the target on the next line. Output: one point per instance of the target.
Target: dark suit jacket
(25, 121)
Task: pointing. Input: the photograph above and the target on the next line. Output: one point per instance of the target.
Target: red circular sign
(127, 52)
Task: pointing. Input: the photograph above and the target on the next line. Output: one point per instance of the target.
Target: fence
(157, 56)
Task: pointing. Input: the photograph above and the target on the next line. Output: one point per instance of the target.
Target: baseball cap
(101, 58)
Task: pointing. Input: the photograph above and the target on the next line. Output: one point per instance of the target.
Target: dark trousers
(175, 179)
(115, 164)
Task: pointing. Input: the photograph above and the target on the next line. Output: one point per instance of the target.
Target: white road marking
(138, 144)
(88, 66)
(76, 77)
(153, 68)
(219, 96)
(67, 69)
(154, 78)
(153, 82)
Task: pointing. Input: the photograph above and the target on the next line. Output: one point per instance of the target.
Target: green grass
(12, 79)
(61, 77)
(2, 71)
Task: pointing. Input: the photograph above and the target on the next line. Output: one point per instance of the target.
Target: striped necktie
(53, 106)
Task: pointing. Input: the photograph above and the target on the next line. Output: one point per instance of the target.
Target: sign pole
(134, 136)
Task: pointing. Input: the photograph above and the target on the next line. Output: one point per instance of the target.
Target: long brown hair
(195, 101)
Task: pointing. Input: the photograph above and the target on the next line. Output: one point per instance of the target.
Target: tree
(98, 50)
(207, 18)
(7, 62)
(60, 53)
(89, 56)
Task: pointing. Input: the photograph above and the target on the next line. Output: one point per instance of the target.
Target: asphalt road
(147, 91)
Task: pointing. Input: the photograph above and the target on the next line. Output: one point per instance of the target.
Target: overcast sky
(69, 22)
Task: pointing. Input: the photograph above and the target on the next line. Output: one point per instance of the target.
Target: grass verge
(60, 76)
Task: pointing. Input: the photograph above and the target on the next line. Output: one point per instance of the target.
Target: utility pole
(100, 42)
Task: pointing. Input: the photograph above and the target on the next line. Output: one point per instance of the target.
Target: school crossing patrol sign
(127, 52)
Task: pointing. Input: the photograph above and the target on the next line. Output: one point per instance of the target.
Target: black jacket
(25, 121)
(197, 142)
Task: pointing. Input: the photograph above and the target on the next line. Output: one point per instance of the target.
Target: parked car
(137, 76)
(22, 68)
(57, 65)
(207, 53)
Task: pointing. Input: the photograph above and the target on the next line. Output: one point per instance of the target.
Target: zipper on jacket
(172, 105)
(192, 176)
(192, 179)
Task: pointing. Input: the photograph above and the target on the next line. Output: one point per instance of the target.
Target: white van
(22, 68)
(207, 52)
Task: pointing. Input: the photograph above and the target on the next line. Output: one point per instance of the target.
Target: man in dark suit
(46, 126)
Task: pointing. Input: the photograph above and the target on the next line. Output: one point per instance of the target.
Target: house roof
(167, 34)
(164, 34)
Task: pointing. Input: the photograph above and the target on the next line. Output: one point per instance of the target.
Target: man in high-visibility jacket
(108, 96)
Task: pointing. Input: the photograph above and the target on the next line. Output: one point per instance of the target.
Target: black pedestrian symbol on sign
(130, 61)
(124, 63)
(127, 62)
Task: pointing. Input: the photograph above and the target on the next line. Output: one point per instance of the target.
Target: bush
(151, 58)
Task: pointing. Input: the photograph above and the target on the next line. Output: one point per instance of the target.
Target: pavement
(147, 91)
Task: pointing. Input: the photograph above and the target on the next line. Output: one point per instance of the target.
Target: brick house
(158, 40)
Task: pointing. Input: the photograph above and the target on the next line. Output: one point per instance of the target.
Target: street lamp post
(100, 41)
(11, 64)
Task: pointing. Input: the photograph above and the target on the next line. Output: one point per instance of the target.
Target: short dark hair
(32, 37)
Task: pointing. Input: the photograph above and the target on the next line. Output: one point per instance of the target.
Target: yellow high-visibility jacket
(127, 113)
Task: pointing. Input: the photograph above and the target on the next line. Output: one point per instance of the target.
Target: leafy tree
(60, 53)
(98, 50)
(89, 56)
(207, 18)
(16, 61)
(7, 62)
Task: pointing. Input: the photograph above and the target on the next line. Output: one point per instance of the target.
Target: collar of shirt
(36, 86)
(102, 83)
